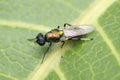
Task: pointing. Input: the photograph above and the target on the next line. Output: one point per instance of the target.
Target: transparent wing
(76, 31)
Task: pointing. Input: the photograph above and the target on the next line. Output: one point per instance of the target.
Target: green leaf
(83, 60)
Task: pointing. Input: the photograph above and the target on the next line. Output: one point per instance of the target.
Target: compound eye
(40, 39)
(39, 36)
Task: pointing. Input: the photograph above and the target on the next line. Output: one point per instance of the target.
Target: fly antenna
(32, 39)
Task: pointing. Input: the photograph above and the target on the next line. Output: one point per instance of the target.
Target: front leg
(46, 52)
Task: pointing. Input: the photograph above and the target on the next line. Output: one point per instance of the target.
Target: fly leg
(46, 52)
(58, 27)
(85, 39)
(63, 42)
(66, 24)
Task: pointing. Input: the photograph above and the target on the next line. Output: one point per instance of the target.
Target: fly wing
(75, 31)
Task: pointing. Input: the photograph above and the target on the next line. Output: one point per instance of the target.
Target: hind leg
(85, 39)
(63, 42)
(66, 24)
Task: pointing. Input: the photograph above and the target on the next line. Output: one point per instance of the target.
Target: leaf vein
(24, 25)
(109, 43)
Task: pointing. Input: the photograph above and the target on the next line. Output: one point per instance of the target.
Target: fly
(70, 32)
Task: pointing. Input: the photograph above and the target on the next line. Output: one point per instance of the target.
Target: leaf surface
(83, 60)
